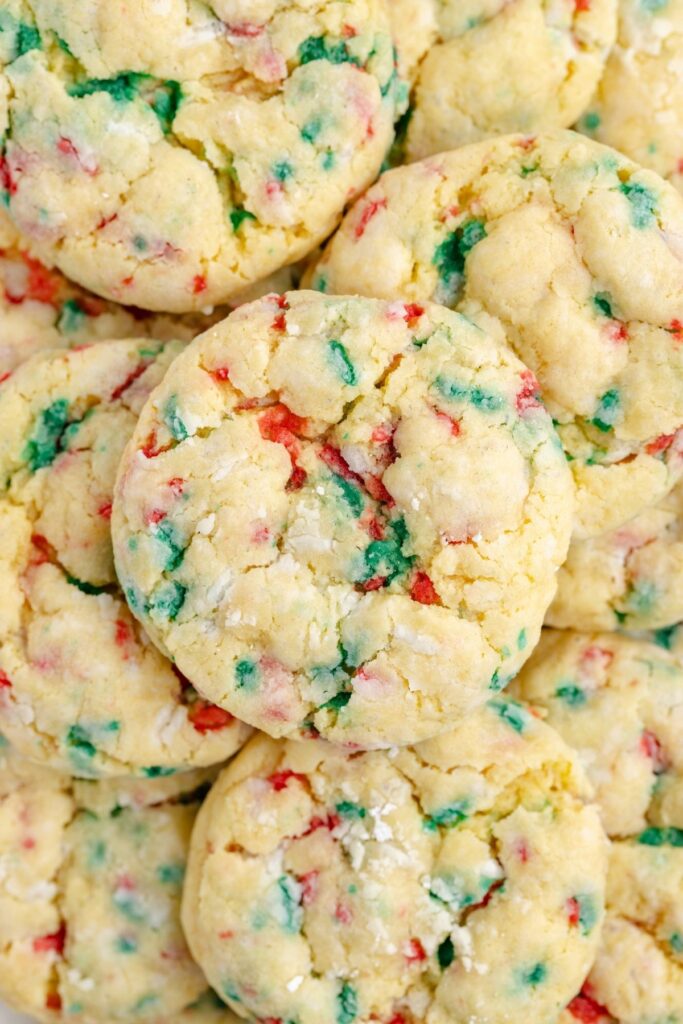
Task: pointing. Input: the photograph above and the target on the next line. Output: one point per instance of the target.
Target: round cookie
(503, 66)
(90, 898)
(339, 554)
(619, 702)
(168, 155)
(631, 578)
(638, 106)
(81, 686)
(579, 253)
(459, 880)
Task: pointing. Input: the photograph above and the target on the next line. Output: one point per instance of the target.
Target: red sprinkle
(297, 479)
(51, 943)
(5, 681)
(586, 1009)
(617, 331)
(415, 953)
(42, 285)
(676, 328)
(5, 376)
(522, 851)
(528, 395)
(208, 717)
(412, 313)
(105, 510)
(376, 583)
(6, 180)
(176, 484)
(130, 379)
(309, 887)
(371, 210)
(53, 1001)
(279, 780)
(600, 655)
(222, 373)
(422, 590)
(573, 911)
(151, 448)
(198, 284)
(660, 444)
(43, 547)
(67, 148)
(106, 220)
(652, 748)
(343, 913)
(381, 435)
(245, 30)
(280, 322)
(349, 31)
(453, 425)
(123, 633)
(329, 822)
(154, 517)
(582, 5)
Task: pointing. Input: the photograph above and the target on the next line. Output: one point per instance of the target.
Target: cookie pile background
(341, 469)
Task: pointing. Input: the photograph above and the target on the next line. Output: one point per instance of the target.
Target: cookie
(497, 66)
(629, 579)
(40, 308)
(81, 686)
(578, 252)
(337, 553)
(460, 880)
(619, 702)
(638, 106)
(90, 898)
(168, 155)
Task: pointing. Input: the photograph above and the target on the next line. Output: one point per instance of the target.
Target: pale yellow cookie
(369, 509)
(166, 155)
(638, 106)
(619, 703)
(460, 880)
(497, 66)
(580, 254)
(81, 686)
(90, 883)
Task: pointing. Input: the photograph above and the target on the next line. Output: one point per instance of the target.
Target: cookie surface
(167, 156)
(81, 686)
(338, 554)
(90, 898)
(434, 883)
(496, 66)
(631, 578)
(638, 106)
(619, 702)
(578, 252)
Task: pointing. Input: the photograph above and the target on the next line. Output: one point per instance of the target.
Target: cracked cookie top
(343, 516)
(167, 155)
(81, 686)
(459, 880)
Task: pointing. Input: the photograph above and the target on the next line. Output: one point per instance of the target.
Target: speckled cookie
(631, 578)
(638, 106)
(619, 702)
(496, 66)
(458, 881)
(168, 154)
(580, 254)
(336, 551)
(90, 881)
(81, 686)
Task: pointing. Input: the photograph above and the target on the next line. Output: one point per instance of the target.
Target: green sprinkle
(341, 363)
(125, 944)
(643, 203)
(319, 48)
(293, 914)
(603, 303)
(676, 942)
(173, 420)
(480, 398)
(498, 681)
(385, 558)
(653, 6)
(608, 411)
(351, 495)
(347, 809)
(665, 637)
(145, 1002)
(86, 588)
(347, 1004)
(122, 88)
(450, 255)
(169, 600)
(312, 129)
(64, 46)
(167, 535)
(282, 170)
(590, 121)
(71, 317)
(512, 713)
(156, 771)
(521, 640)
(661, 837)
(78, 739)
(44, 444)
(526, 171)
(445, 953)
(588, 913)
(329, 159)
(641, 598)
(449, 816)
(339, 701)
(139, 243)
(97, 853)
(171, 874)
(533, 976)
(238, 216)
(571, 694)
(28, 38)
(165, 101)
(246, 674)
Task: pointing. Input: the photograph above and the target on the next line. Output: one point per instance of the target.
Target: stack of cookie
(340, 676)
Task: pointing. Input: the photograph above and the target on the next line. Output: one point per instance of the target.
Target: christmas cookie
(459, 880)
(631, 578)
(344, 516)
(638, 106)
(580, 254)
(89, 898)
(504, 66)
(167, 155)
(619, 702)
(81, 686)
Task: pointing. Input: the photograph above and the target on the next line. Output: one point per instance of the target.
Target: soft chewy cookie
(638, 106)
(631, 578)
(81, 686)
(336, 549)
(580, 254)
(90, 898)
(166, 155)
(457, 881)
(496, 66)
(619, 702)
